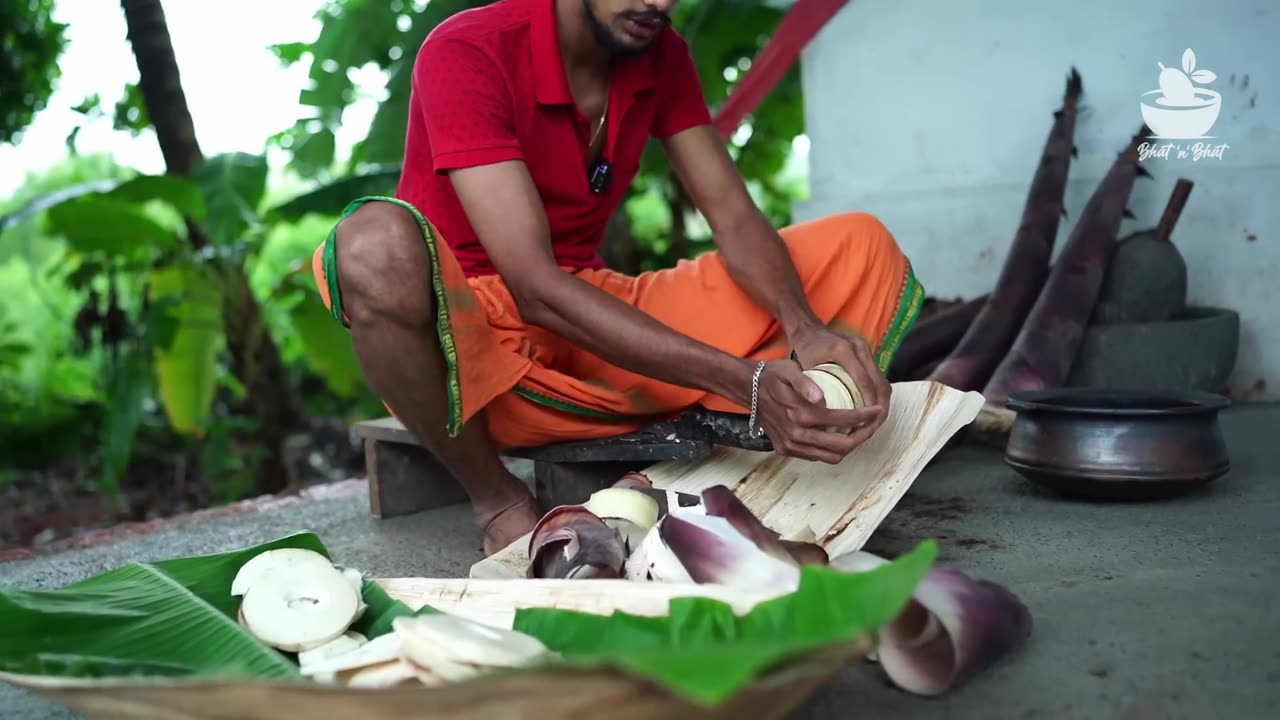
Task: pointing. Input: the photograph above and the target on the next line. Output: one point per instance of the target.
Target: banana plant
(163, 320)
(159, 306)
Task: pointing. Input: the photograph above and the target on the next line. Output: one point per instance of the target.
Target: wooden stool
(405, 478)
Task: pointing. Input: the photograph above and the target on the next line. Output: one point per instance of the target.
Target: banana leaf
(187, 369)
(174, 618)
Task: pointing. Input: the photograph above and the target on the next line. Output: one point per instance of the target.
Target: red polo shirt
(489, 85)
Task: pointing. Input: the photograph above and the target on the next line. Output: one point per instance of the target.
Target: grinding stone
(1146, 281)
(1196, 351)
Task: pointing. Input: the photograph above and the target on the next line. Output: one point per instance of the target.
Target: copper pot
(1117, 444)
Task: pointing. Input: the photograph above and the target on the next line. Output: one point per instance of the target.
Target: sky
(238, 92)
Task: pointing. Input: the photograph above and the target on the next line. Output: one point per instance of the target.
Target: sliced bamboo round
(838, 389)
(847, 381)
(836, 395)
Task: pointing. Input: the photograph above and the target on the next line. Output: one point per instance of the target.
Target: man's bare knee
(383, 266)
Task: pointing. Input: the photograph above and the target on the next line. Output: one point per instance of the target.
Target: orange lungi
(538, 388)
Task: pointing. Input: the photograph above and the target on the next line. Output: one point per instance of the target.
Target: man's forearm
(631, 339)
(758, 261)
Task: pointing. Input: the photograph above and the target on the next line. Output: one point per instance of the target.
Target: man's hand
(792, 413)
(816, 345)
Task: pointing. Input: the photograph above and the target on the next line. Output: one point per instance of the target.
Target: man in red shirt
(477, 301)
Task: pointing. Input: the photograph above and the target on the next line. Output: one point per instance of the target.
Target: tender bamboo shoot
(931, 339)
(300, 607)
(992, 333)
(1046, 348)
(458, 649)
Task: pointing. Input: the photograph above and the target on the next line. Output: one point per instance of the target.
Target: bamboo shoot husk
(840, 505)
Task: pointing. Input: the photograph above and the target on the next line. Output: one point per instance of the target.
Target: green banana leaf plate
(161, 640)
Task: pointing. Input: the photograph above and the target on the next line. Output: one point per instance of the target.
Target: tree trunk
(256, 359)
(161, 85)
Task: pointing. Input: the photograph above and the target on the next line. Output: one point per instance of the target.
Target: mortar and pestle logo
(1180, 110)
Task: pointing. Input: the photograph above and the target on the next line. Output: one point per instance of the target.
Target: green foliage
(357, 34)
(129, 386)
(332, 197)
(125, 333)
(94, 223)
(32, 41)
(129, 114)
(186, 365)
(233, 185)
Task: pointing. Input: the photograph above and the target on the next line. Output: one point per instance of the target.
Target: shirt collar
(631, 75)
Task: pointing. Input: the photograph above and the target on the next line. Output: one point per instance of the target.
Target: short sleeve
(681, 102)
(465, 106)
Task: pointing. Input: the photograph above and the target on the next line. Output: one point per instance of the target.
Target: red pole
(802, 23)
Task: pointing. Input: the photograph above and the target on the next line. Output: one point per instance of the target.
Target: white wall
(932, 114)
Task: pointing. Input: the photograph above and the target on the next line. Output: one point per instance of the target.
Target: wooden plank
(572, 483)
(635, 447)
(689, 436)
(840, 505)
(647, 446)
(406, 479)
(387, 429)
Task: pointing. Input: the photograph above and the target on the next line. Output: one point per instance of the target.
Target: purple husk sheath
(717, 555)
(954, 627)
(571, 542)
(719, 501)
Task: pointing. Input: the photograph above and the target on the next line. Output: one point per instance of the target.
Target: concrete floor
(1155, 611)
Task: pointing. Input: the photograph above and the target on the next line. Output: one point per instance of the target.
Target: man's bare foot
(507, 525)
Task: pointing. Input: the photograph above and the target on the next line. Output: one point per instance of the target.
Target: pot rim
(1075, 401)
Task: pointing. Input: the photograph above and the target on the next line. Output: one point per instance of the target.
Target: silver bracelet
(755, 400)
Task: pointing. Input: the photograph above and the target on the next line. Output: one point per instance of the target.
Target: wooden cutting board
(838, 506)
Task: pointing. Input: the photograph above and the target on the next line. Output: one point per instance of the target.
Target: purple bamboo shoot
(932, 338)
(1046, 348)
(1026, 267)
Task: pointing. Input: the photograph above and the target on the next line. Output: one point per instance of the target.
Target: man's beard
(610, 42)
